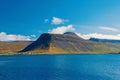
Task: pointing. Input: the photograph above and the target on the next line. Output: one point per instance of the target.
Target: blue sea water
(60, 67)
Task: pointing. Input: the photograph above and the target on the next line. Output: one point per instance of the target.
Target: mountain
(66, 43)
(104, 40)
(13, 47)
(107, 41)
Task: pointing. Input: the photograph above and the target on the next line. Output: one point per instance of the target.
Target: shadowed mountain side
(43, 43)
(67, 43)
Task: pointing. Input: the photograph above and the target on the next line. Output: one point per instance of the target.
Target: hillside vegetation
(12, 47)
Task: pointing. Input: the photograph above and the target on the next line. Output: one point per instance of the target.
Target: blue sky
(30, 18)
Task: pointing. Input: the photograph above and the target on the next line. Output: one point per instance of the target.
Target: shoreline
(4, 54)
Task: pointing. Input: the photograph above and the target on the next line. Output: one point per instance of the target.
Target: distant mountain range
(107, 41)
(67, 43)
(104, 40)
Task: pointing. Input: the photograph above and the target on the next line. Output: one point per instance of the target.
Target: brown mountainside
(12, 47)
(67, 43)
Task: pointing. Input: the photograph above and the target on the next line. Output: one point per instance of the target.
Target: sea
(60, 67)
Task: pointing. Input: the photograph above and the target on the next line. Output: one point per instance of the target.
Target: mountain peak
(68, 42)
(70, 33)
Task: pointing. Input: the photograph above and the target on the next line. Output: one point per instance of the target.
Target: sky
(28, 19)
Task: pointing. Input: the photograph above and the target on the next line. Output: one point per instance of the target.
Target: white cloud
(33, 35)
(108, 28)
(12, 37)
(62, 29)
(100, 36)
(56, 20)
(46, 20)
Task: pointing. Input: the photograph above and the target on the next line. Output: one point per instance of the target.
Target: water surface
(60, 67)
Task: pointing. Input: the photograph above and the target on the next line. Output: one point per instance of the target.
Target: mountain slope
(107, 41)
(12, 47)
(67, 43)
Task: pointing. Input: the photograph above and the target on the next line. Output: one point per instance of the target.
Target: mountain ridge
(107, 41)
(68, 42)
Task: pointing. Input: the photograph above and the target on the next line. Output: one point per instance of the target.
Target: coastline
(90, 53)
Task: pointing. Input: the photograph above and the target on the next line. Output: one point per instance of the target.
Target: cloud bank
(62, 29)
(100, 36)
(56, 20)
(12, 37)
(108, 28)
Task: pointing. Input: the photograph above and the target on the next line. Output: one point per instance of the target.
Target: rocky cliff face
(66, 43)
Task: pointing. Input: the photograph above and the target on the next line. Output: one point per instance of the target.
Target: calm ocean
(60, 67)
